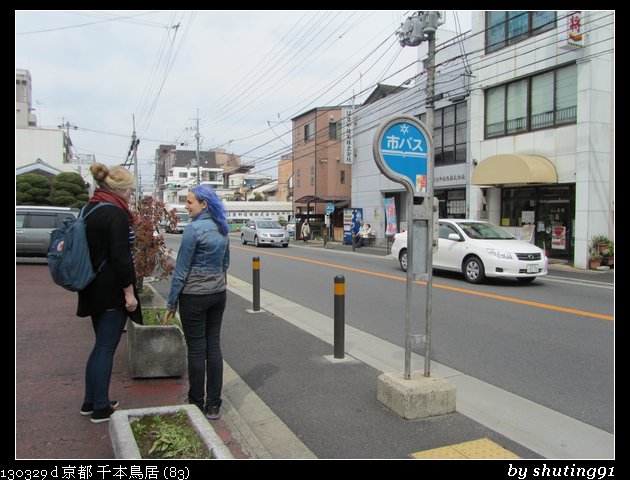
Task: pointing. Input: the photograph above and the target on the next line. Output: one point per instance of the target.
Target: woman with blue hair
(198, 287)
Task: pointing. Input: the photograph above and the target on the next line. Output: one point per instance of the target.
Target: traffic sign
(402, 151)
(330, 208)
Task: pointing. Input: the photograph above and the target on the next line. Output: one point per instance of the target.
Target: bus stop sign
(401, 150)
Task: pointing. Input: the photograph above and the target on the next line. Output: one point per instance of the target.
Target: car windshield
(268, 224)
(182, 217)
(484, 231)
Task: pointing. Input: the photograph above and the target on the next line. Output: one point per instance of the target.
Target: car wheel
(403, 260)
(256, 241)
(526, 279)
(243, 241)
(474, 271)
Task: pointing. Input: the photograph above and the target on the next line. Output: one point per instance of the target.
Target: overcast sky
(247, 73)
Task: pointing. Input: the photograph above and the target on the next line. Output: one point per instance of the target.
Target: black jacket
(107, 231)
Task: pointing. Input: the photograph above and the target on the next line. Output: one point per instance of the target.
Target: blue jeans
(108, 327)
(201, 318)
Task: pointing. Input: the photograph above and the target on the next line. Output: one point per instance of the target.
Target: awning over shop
(336, 200)
(509, 169)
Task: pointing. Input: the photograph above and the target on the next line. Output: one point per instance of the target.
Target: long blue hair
(215, 205)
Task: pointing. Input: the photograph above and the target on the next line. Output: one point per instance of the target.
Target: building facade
(320, 174)
(523, 129)
(542, 125)
(370, 188)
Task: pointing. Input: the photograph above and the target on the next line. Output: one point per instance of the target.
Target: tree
(151, 255)
(32, 189)
(69, 190)
(257, 197)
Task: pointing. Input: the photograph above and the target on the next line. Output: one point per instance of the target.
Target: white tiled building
(542, 124)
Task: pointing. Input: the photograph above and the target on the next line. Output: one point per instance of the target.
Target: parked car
(479, 249)
(33, 226)
(264, 232)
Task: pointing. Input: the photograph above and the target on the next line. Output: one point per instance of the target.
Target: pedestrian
(111, 297)
(306, 231)
(199, 289)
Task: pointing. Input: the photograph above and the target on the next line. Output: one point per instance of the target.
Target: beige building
(319, 174)
(285, 179)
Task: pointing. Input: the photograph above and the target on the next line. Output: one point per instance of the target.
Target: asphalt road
(550, 341)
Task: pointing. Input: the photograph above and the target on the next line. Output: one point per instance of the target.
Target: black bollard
(256, 283)
(340, 316)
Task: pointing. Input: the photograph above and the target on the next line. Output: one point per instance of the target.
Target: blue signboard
(330, 208)
(401, 150)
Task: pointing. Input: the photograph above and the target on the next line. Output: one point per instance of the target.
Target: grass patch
(152, 317)
(168, 436)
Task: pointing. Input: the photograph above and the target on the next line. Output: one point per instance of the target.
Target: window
(334, 131)
(19, 220)
(309, 132)
(515, 200)
(342, 177)
(517, 107)
(446, 230)
(541, 101)
(41, 220)
(183, 174)
(449, 134)
(508, 28)
(566, 95)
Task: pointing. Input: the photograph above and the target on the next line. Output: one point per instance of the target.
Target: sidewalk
(282, 398)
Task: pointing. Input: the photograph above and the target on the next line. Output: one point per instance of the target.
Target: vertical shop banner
(346, 136)
(390, 217)
(559, 238)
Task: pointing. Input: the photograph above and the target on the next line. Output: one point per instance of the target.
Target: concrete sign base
(418, 397)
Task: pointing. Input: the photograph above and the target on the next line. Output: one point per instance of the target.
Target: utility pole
(413, 32)
(197, 136)
(134, 148)
(67, 126)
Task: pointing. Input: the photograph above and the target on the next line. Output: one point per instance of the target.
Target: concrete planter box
(124, 443)
(156, 351)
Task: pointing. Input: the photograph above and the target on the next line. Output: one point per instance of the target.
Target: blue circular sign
(401, 150)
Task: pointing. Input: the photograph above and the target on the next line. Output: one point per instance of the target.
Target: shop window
(515, 200)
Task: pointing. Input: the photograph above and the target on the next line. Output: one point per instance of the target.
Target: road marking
(482, 448)
(444, 287)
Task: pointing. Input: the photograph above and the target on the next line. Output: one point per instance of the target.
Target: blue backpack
(69, 253)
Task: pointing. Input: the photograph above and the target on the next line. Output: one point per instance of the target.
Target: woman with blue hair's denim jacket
(198, 288)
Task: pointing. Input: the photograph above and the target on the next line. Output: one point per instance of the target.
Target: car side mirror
(454, 236)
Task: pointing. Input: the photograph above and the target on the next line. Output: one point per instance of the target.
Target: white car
(264, 232)
(479, 249)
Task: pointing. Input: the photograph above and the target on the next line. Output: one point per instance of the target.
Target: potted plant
(594, 251)
(609, 255)
(151, 256)
(177, 431)
(155, 350)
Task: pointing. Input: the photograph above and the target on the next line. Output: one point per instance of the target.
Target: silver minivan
(264, 232)
(33, 226)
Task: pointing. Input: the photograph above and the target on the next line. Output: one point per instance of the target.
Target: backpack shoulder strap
(95, 207)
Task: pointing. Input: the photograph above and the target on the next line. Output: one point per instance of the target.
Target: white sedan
(479, 249)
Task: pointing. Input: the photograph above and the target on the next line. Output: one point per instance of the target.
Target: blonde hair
(114, 178)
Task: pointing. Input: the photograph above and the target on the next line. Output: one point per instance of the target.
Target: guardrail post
(256, 283)
(340, 316)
